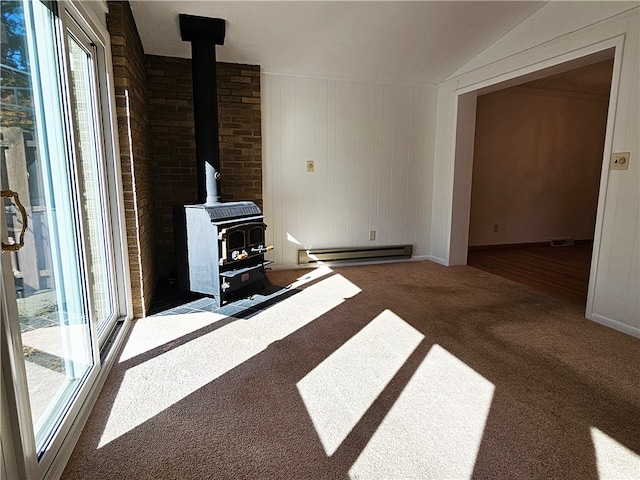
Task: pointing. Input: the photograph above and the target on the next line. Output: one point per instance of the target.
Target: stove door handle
(262, 249)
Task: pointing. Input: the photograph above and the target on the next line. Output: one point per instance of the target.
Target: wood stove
(220, 246)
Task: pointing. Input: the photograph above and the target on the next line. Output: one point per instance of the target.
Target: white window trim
(91, 17)
(87, 17)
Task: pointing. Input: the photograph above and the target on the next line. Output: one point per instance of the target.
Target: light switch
(619, 161)
(310, 166)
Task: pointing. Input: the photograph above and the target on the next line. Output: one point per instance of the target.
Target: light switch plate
(310, 166)
(619, 161)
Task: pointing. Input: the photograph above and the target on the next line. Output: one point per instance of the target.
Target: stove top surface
(230, 210)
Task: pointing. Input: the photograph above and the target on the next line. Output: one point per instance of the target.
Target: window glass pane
(88, 152)
(50, 290)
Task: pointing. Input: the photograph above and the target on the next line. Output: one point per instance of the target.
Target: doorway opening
(537, 161)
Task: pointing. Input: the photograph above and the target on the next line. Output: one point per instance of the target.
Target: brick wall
(170, 100)
(131, 103)
(240, 132)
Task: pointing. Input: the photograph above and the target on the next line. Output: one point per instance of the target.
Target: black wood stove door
(242, 241)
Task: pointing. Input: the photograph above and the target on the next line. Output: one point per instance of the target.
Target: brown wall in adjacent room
(133, 127)
(536, 166)
(170, 98)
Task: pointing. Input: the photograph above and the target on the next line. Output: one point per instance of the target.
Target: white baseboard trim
(616, 325)
(434, 259)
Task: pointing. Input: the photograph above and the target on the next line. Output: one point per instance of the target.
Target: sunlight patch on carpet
(162, 332)
(155, 384)
(341, 389)
(614, 460)
(435, 427)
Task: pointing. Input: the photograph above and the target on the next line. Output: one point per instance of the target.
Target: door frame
(465, 122)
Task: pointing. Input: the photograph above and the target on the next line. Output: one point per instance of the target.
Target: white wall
(536, 166)
(560, 32)
(372, 146)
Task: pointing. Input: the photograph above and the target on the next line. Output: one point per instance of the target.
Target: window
(88, 150)
(60, 298)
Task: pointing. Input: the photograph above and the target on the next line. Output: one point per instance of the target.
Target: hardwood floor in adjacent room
(561, 271)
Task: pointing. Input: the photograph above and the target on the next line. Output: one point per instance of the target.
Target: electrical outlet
(495, 228)
(310, 166)
(372, 235)
(619, 161)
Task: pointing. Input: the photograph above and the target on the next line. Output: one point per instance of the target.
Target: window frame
(84, 15)
(74, 30)
(19, 454)
(93, 25)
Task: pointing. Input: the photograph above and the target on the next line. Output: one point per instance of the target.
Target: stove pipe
(204, 34)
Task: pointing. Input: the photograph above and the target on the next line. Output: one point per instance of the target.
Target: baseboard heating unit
(353, 254)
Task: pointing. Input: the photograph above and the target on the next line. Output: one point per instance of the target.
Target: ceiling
(416, 42)
(594, 79)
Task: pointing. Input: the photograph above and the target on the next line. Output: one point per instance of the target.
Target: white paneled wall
(372, 146)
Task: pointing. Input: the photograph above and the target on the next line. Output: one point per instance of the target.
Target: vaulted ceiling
(416, 42)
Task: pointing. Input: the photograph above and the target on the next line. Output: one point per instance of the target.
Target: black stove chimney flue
(204, 34)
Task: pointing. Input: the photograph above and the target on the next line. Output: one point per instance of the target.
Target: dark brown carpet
(463, 375)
